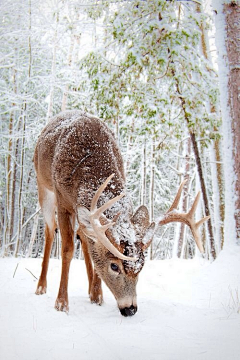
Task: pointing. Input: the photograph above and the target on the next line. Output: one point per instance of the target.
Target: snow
(187, 309)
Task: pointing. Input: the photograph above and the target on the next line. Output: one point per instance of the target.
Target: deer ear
(148, 237)
(141, 219)
(83, 215)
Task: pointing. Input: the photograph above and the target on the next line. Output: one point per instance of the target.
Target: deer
(80, 177)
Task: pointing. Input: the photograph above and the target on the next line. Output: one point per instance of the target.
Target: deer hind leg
(66, 229)
(48, 205)
(95, 288)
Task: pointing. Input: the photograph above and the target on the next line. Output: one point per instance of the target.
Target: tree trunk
(69, 62)
(152, 185)
(204, 193)
(185, 198)
(13, 214)
(232, 14)
(219, 192)
(200, 174)
(143, 199)
(20, 190)
(228, 43)
(11, 168)
(220, 181)
(53, 72)
(34, 232)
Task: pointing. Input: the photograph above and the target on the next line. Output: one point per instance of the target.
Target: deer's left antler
(172, 215)
(100, 229)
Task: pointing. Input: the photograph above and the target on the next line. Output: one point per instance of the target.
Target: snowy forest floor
(187, 309)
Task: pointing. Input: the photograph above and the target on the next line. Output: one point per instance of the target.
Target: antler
(173, 215)
(100, 229)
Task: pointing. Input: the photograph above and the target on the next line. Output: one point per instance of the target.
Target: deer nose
(128, 311)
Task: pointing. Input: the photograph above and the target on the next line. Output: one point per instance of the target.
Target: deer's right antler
(172, 215)
(100, 229)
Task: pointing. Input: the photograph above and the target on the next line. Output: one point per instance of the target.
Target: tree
(227, 40)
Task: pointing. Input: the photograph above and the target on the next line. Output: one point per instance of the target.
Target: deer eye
(114, 267)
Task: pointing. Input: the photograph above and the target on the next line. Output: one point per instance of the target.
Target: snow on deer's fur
(80, 176)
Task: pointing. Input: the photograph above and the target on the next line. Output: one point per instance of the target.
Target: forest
(162, 74)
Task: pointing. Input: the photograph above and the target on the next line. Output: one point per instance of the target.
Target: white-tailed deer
(80, 176)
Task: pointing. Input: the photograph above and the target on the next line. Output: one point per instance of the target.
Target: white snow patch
(184, 312)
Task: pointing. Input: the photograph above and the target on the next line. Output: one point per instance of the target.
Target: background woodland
(148, 69)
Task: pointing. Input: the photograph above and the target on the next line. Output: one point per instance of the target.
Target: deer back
(75, 153)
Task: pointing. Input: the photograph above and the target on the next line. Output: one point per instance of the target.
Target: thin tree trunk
(129, 148)
(7, 233)
(20, 190)
(11, 173)
(144, 175)
(185, 198)
(219, 193)
(70, 55)
(13, 215)
(152, 186)
(204, 193)
(53, 72)
(34, 232)
(220, 177)
(200, 174)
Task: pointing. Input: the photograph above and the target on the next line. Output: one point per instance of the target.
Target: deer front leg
(87, 258)
(96, 295)
(65, 226)
(95, 288)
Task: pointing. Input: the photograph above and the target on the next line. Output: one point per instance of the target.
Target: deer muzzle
(128, 306)
(128, 311)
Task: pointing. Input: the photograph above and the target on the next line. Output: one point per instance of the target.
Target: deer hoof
(97, 299)
(62, 305)
(41, 290)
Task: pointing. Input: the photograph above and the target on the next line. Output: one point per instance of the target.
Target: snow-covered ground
(187, 309)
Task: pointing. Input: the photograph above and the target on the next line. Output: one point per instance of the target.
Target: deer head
(117, 246)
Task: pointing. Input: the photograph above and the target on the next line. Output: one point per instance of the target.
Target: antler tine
(177, 197)
(97, 195)
(108, 204)
(99, 192)
(200, 222)
(194, 205)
